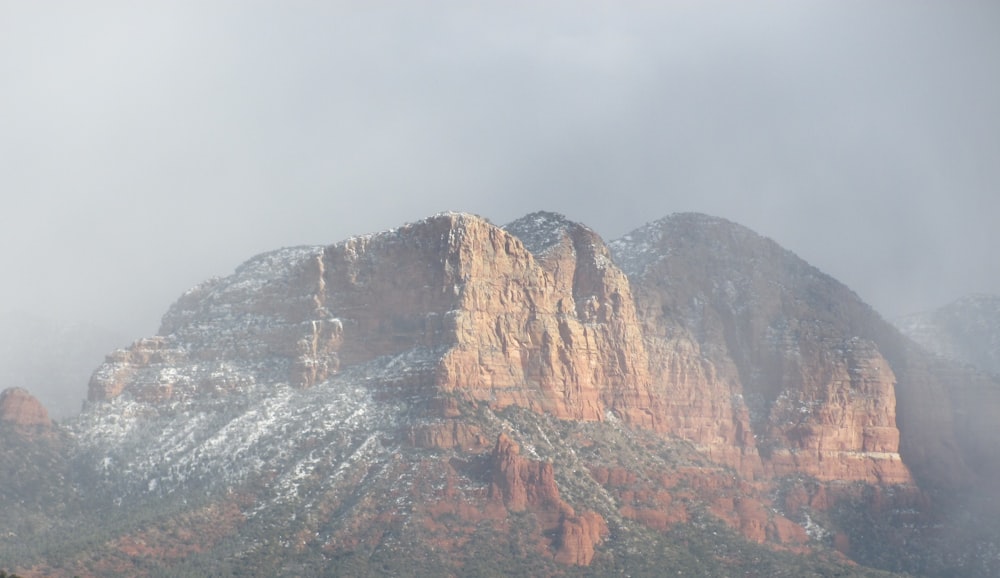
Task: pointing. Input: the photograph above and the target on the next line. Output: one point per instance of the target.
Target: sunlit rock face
(474, 311)
(506, 327)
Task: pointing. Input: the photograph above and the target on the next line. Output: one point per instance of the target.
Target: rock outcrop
(577, 538)
(520, 482)
(20, 410)
(525, 484)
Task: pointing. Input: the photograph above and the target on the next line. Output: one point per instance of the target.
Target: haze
(145, 147)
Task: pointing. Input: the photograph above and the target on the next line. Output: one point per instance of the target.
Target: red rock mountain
(455, 397)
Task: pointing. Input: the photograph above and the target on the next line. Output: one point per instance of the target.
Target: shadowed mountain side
(785, 331)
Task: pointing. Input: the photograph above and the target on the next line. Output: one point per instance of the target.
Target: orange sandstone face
(20, 408)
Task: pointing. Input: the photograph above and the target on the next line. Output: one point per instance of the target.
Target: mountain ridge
(447, 388)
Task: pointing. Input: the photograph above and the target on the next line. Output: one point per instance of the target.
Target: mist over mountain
(453, 397)
(52, 357)
(148, 147)
(966, 330)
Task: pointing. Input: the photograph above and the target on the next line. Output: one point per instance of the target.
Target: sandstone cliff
(468, 306)
(822, 376)
(791, 384)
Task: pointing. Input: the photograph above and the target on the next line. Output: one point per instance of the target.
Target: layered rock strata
(537, 315)
(464, 306)
(791, 391)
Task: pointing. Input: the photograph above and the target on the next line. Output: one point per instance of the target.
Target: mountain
(456, 398)
(967, 330)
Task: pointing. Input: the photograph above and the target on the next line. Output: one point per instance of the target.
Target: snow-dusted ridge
(642, 247)
(142, 449)
(540, 231)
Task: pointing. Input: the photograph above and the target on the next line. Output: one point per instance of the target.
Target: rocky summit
(456, 398)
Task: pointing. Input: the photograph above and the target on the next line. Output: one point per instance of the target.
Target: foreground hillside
(455, 398)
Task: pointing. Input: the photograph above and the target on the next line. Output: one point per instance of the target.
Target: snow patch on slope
(277, 433)
(539, 231)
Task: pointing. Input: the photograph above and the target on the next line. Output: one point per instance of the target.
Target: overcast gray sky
(146, 146)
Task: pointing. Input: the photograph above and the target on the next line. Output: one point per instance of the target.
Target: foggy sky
(147, 146)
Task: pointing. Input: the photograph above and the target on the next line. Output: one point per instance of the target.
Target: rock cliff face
(597, 340)
(451, 390)
(465, 305)
(793, 382)
(262, 324)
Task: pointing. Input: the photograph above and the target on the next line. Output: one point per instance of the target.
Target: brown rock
(841, 422)
(556, 333)
(578, 535)
(122, 366)
(20, 409)
(781, 530)
(520, 482)
(523, 484)
(753, 519)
